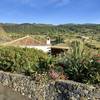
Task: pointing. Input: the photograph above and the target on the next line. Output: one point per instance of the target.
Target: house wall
(43, 48)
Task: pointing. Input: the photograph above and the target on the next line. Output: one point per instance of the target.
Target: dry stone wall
(57, 90)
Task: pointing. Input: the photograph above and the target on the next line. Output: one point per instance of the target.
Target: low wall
(58, 90)
(24, 85)
(69, 90)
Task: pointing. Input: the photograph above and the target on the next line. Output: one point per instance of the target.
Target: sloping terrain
(24, 41)
(34, 29)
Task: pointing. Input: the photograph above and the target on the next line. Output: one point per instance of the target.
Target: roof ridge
(25, 37)
(18, 39)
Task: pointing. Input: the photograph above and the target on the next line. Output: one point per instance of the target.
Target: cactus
(77, 61)
(77, 49)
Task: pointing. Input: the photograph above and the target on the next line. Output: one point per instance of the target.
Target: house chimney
(48, 41)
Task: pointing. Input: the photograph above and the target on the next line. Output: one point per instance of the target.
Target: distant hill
(27, 28)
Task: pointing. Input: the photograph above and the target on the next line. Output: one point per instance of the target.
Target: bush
(79, 65)
(95, 70)
(77, 62)
(20, 60)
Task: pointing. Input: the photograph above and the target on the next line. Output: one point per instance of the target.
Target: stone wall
(58, 90)
(23, 84)
(69, 90)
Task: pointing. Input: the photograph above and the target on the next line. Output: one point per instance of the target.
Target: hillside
(51, 29)
(13, 31)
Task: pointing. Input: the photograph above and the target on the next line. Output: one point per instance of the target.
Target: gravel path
(8, 94)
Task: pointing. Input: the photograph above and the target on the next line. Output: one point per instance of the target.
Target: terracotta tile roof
(26, 41)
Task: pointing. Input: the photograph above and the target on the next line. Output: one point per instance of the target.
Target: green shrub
(94, 71)
(80, 66)
(76, 62)
(20, 60)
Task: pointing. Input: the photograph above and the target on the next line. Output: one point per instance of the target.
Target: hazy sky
(50, 11)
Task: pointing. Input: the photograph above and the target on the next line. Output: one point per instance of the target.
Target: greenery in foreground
(21, 60)
(81, 65)
(78, 64)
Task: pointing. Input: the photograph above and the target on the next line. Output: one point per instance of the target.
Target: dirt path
(8, 94)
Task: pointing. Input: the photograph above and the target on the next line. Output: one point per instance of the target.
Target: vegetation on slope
(79, 64)
(51, 29)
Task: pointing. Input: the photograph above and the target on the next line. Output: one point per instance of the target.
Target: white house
(85, 38)
(30, 42)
